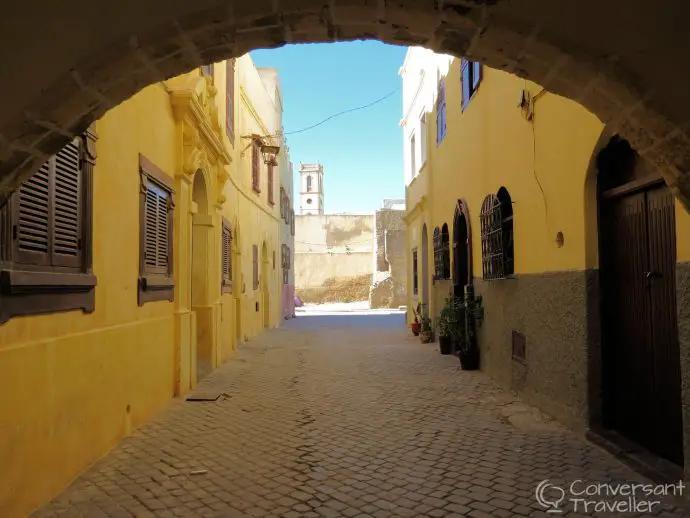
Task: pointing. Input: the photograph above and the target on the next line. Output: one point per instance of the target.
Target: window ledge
(31, 293)
(226, 287)
(155, 287)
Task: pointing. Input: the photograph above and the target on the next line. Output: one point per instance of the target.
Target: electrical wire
(350, 110)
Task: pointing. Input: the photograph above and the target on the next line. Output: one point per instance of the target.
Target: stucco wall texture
(333, 246)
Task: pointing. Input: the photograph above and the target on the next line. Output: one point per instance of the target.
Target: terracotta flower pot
(416, 327)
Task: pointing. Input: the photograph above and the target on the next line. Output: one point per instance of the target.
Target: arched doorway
(641, 378)
(425, 268)
(265, 285)
(202, 229)
(462, 249)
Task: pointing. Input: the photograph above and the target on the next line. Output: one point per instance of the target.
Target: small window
(207, 70)
(256, 166)
(226, 247)
(230, 99)
(255, 267)
(156, 226)
(496, 221)
(441, 112)
(470, 77)
(292, 223)
(441, 253)
(46, 236)
(415, 273)
(309, 183)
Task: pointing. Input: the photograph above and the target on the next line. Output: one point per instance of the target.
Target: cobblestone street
(342, 415)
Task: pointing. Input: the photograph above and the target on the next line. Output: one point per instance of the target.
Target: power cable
(350, 110)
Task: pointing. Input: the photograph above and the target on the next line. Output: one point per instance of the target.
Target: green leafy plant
(446, 319)
(426, 324)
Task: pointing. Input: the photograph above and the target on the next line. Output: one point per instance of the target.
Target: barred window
(441, 253)
(496, 221)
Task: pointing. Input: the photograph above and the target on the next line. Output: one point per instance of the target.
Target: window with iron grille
(415, 273)
(256, 166)
(441, 253)
(470, 77)
(226, 248)
(156, 226)
(496, 221)
(292, 222)
(46, 236)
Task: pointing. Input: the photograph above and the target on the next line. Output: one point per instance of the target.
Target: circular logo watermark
(549, 496)
(595, 497)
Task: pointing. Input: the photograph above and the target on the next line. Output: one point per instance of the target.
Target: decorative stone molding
(194, 105)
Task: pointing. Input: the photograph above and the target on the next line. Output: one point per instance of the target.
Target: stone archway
(85, 59)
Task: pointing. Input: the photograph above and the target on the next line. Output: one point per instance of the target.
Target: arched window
(507, 230)
(308, 183)
(441, 253)
(496, 220)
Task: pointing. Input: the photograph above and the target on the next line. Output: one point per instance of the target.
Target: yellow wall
(77, 383)
(491, 145)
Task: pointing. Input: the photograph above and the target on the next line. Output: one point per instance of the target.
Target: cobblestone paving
(342, 416)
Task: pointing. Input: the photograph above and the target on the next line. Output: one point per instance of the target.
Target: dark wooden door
(642, 391)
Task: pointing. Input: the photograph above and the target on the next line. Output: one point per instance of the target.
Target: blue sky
(361, 151)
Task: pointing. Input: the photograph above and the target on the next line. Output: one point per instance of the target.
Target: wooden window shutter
(256, 154)
(67, 207)
(270, 184)
(49, 209)
(230, 99)
(34, 223)
(156, 229)
(465, 81)
(255, 266)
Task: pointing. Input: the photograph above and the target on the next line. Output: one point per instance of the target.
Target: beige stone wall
(332, 248)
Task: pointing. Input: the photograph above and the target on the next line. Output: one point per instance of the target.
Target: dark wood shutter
(156, 229)
(255, 167)
(230, 99)
(49, 206)
(67, 208)
(465, 82)
(255, 266)
(270, 184)
(33, 219)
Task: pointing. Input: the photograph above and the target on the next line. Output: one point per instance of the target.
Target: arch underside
(624, 60)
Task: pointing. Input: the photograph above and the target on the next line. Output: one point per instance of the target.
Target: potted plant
(463, 337)
(446, 322)
(416, 326)
(426, 334)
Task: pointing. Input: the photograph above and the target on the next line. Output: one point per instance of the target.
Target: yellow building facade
(533, 202)
(132, 264)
